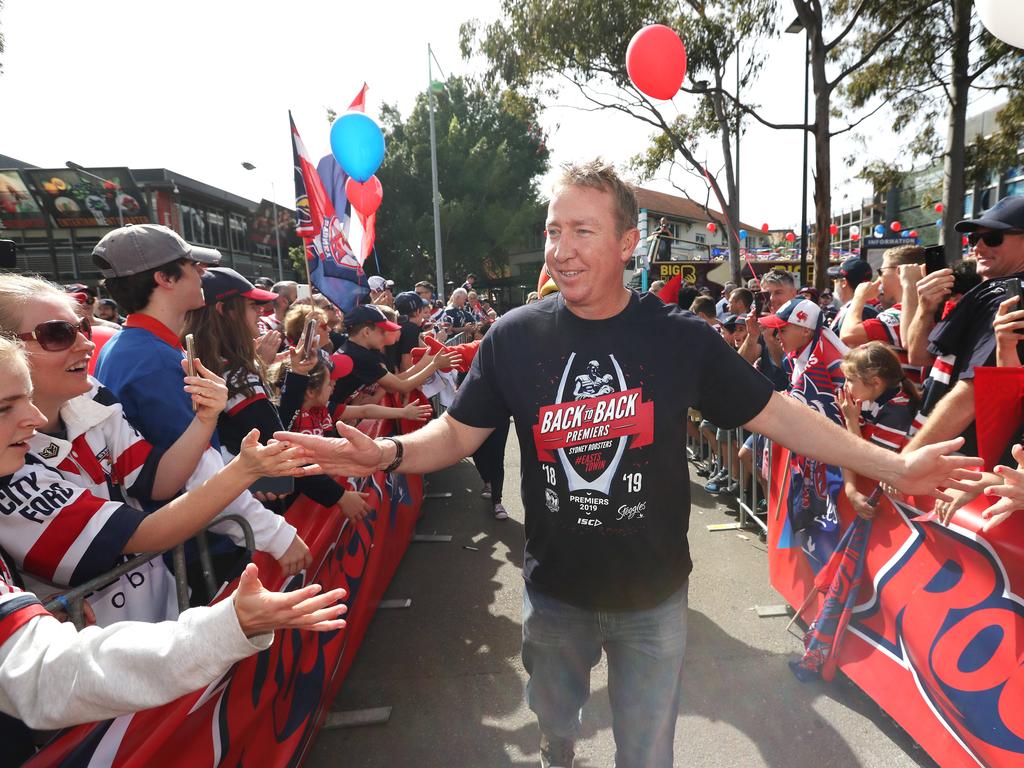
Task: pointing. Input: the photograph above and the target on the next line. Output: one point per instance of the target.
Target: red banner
(268, 708)
(608, 417)
(937, 634)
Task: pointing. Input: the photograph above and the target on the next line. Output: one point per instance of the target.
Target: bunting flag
(359, 102)
(335, 268)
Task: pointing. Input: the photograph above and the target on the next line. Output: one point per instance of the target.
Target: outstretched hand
(353, 454)
(1011, 491)
(275, 459)
(930, 468)
(259, 610)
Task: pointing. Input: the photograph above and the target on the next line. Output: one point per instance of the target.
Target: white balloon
(1004, 19)
(854, 230)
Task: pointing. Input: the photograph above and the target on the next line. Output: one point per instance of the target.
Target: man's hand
(208, 390)
(295, 558)
(868, 291)
(353, 454)
(909, 275)
(353, 505)
(934, 289)
(1008, 321)
(1011, 491)
(259, 610)
(267, 346)
(931, 468)
(275, 459)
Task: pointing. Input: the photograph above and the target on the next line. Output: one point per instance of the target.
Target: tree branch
(750, 111)
(853, 125)
(872, 49)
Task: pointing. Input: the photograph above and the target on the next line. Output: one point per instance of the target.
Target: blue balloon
(879, 230)
(905, 233)
(938, 223)
(357, 143)
(743, 234)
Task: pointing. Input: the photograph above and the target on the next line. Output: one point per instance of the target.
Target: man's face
(736, 306)
(188, 288)
(584, 252)
(1000, 260)
(892, 290)
(739, 334)
(794, 337)
(779, 294)
(424, 293)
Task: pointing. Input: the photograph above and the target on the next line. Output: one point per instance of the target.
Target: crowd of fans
(890, 355)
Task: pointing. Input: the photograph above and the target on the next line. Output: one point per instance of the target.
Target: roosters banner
(267, 709)
(936, 636)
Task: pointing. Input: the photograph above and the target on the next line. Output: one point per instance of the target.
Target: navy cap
(409, 302)
(1008, 213)
(855, 270)
(220, 283)
(370, 314)
(728, 319)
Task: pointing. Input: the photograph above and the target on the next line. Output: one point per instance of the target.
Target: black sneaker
(556, 753)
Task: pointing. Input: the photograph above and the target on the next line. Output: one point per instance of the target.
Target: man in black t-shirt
(604, 478)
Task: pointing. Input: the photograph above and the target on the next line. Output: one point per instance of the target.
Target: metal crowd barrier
(72, 600)
(746, 500)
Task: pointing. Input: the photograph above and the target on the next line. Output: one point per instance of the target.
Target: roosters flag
(335, 268)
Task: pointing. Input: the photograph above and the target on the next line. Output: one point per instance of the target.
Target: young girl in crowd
(52, 676)
(878, 403)
(225, 332)
(77, 502)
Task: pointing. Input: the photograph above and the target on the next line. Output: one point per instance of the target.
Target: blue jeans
(562, 643)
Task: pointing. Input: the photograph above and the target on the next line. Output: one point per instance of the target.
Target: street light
(794, 28)
(432, 86)
(117, 188)
(277, 233)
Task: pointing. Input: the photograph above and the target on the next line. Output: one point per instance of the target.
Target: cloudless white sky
(198, 87)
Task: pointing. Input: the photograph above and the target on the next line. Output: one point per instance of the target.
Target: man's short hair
(425, 284)
(601, 175)
(903, 254)
(286, 287)
(778, 277)
(133, 292)
(744, 296)
(703, 305)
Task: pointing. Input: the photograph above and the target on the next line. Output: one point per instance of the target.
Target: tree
(582, 44)
(927, 73)
(490, 153)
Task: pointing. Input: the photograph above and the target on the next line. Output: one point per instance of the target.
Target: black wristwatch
(399, 454)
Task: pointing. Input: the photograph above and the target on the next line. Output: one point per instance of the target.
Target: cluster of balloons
(357, 143)
(656, 61)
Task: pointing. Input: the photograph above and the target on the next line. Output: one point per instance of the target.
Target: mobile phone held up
(190, 358)
(1013, 290)
(310, 335)
(934, 258)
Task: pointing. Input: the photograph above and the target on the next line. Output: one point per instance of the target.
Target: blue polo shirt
(141, 365)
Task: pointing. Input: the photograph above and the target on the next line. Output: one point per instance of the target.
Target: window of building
(239, 232)
(969, 204)
(215, 223)
(699, 239)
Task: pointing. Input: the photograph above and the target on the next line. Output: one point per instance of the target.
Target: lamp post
(794, 28)
(433, 175)
(277, 232)
(117, 187)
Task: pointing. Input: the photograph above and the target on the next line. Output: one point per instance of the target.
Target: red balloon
(939, 207)
(365, 196)
(711, 227)
(913, 233)
(833, 229)
(965, 240)
(656, 61)
(765, 228)
(790, 237)
(896, 226)
(855, 236)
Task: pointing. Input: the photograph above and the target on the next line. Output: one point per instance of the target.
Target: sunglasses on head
(991, 239)
(58, 335)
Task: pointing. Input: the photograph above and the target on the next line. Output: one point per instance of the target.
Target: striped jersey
(815, 376)
(17, 608)
(886, 328)
(886, 420)
(72, 507)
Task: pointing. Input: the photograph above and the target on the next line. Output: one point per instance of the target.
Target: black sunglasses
(58, 335)
(991, 239)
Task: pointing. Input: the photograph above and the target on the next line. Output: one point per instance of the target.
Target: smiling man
(604, 480)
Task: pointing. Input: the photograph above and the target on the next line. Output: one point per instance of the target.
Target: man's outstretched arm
(807, 433)
(438, 445)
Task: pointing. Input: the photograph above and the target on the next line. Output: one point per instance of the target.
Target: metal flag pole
(433, 176)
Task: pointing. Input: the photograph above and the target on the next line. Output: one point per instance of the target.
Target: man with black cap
(412, 312)
(964, 339)
(847, 276)
(157, 277)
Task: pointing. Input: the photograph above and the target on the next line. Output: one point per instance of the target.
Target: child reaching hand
(878, 403)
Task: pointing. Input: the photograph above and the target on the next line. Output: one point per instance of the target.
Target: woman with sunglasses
(74, 510)
(225, 332)
(52, 676)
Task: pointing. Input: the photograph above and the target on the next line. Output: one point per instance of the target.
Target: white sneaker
(499, 512)
(486, 492)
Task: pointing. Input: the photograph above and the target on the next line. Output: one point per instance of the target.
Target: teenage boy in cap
(413, 312)
(813, 358)
(847, 276)
(964, 339)
(368, 328)
(157, 278)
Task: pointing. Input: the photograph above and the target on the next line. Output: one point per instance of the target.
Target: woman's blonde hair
(12, 351)
(16, 291)
(296, 318)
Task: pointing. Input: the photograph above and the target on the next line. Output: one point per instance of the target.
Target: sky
(200, 87)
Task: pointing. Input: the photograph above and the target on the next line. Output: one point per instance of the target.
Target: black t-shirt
(409, 338)
(367, 368)
(600, 409)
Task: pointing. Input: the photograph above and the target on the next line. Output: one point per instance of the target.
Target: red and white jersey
(71, 509)
(269, 323)
(886, 421)
(886, 328)
(17, 608)
(239, 401)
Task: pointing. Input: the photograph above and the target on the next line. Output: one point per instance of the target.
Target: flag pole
(305, 257)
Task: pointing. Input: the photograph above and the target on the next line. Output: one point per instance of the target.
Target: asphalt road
(450, 667)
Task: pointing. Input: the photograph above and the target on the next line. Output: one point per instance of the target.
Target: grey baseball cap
(137, 248)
